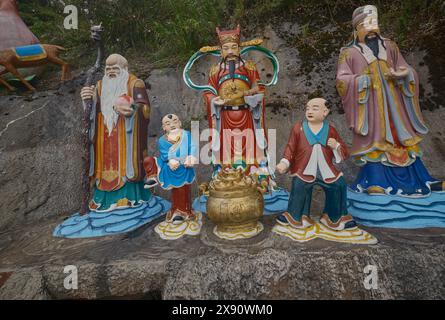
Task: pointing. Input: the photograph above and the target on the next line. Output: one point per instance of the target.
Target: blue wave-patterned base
(390, 211)
(99, 224)
(276, 202)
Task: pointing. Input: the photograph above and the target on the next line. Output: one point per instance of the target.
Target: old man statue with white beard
(119, 121)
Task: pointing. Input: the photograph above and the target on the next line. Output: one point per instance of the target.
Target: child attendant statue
(309, 156)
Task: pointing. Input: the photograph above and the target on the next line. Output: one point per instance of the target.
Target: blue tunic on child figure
(179, 151)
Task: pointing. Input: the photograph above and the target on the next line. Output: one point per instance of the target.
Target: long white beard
(112, 88)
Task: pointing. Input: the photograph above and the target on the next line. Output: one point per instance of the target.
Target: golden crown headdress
(227, 36)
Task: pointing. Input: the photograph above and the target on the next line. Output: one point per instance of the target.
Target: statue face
(112, 71)
(96, 32)
(316, 110)
(370, 24)
(114, 64)
(230, 51)
(171, 123)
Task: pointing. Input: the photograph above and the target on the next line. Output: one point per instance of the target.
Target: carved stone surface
(410, 264)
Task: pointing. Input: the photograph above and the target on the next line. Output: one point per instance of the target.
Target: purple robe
(384, 114)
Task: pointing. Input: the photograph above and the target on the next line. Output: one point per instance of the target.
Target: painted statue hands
(400, 74)
(332, 143)
(124, 110)
(87, 93)
(173, 164)
(219, 101)
(190, 161)
(251, 92)
(282, 168)
(124, 105)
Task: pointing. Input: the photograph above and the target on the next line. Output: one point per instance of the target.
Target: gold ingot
(375, 190)
(122, 202)
(233, 91)
(235, 205)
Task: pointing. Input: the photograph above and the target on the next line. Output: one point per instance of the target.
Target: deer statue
(31, 56)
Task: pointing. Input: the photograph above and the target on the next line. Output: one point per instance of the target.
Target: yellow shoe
(345, 222)
(286, 219)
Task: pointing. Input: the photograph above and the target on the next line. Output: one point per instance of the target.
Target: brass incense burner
(235, 205)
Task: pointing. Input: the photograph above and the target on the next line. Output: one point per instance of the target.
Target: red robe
(110, 171)
(236, 119)
(298, 152)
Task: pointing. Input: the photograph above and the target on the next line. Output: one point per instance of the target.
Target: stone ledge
(140, 265)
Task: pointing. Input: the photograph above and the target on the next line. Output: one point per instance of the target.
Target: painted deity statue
(235, 107)
(122, 114)
(380, 96)
(173, 170)
(119, 120)
(309, 156)
(234, 100)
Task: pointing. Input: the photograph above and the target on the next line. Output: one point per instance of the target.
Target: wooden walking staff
(87, 119)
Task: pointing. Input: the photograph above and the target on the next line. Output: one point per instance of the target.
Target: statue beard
(231, 64)
(232, 68)
(112, 88)
(373, 43)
